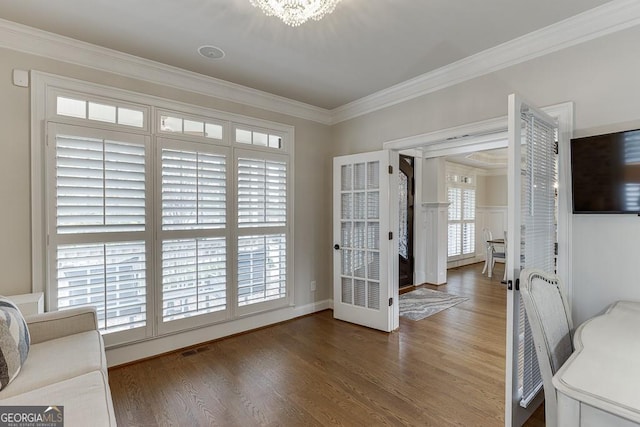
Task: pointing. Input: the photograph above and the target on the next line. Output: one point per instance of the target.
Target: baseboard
(145, 349)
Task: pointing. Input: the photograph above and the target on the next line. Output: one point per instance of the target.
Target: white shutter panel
(98, 228)
(539, 176)
(108, 276)
(193, 277)
(194, 246)
(468, 216)
(454, 234)
(262, 192)
(262, 268)
(262, 181)
(193, 190)
(100, 185)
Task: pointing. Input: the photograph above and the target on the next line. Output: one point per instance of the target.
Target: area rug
(421, 303)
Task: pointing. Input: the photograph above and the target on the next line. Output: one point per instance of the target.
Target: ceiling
(363, 47)
(489, 160)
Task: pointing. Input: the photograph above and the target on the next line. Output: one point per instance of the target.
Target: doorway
(406, 197)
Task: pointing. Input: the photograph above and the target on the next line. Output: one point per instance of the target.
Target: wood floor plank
(445, 370)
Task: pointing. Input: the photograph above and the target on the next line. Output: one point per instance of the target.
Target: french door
(365, 224)
(532, 231)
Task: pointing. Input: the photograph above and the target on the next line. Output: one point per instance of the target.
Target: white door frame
(491, 134)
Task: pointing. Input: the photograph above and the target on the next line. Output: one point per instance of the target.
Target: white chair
(501, 255)
(549, 316)
(486, 236)
(492, 254)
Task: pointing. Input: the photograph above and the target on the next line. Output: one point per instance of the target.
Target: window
(199, 127)
(461, 216)
(261, 138)
(262, 218)
(97, 230)
(140, 223)
(98, 111)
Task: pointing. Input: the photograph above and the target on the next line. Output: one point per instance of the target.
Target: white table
(600, 383)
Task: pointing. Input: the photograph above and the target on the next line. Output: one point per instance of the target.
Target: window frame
(45, 89)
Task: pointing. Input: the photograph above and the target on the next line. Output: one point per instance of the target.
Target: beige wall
(495, 190)
(312, 175)
(601, 78)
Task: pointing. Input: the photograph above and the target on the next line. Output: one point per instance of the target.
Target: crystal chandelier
(296, 12)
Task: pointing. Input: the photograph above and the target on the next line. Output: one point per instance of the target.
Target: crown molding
(37, 42)
(603, 20)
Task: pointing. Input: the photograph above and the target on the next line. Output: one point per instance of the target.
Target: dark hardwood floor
(445, 370)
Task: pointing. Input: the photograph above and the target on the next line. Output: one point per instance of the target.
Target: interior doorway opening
(406, 198)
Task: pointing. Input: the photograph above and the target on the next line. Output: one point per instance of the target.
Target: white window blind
(100, 185)
(461, 226)
(110, 277)
(194, 277)
(98, 228)
(194, 249)
(262, 268)
(262, 183)
(539, 178)
(193, 190)
(262, 192)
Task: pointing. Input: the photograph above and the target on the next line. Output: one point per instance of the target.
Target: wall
(312, 175)
(601, 78)
(495, 190)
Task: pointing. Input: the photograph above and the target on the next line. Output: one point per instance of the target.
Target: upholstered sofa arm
(58, 324)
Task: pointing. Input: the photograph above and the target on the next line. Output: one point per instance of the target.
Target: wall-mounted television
(605, 173)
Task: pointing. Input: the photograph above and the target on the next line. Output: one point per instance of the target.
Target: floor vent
(194, 351)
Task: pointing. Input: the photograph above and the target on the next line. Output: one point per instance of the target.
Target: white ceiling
(489, 160)
(363, 47)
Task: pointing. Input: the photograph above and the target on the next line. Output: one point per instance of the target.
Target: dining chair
(486, 236)
(549, 316)
(501, 255)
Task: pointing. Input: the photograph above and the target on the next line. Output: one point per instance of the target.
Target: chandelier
(296, 12)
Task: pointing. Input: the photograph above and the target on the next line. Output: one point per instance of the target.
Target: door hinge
(390, 169)
(556, 148)
(391, 235)
(510, 285)
(390, 302)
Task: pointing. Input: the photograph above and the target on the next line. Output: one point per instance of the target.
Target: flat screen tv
(605, 173)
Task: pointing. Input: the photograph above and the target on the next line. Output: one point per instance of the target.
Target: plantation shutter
(262, 182)
(193, 192)
(454, 228)
(262, 192)
(468, 217)
(539, 177)
(461, 226)
(98, 230)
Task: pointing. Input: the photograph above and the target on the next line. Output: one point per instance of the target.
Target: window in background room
(461, 217)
